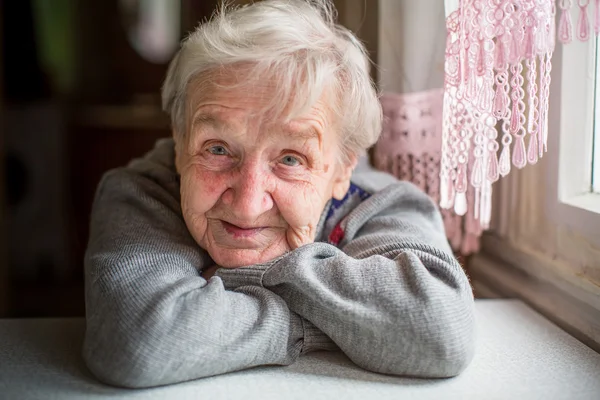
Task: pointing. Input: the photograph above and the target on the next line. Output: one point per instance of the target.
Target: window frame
(571, 147)
(596, 156)
(544, 243)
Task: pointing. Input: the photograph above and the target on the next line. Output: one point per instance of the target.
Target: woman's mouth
(240, 232)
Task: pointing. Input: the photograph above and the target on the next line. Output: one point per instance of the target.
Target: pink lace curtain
(492, 112)
(411, 149)
(497, 83)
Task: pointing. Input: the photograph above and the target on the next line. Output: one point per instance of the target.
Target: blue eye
(290, 161)
(218, 150)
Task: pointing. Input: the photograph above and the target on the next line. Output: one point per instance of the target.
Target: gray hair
(295, 41)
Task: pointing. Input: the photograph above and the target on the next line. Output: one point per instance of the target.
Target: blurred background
(79, 94)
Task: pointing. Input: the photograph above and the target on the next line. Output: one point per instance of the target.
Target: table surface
(519, 355)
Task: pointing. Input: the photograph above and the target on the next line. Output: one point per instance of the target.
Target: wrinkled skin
(252, 186)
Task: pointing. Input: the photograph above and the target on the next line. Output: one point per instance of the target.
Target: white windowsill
(519, 355)
(501, 270)
(588, 202)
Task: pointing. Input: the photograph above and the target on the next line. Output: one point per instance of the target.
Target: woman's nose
(249, 196)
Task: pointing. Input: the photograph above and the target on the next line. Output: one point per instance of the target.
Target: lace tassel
(565, 26)
(583, 23)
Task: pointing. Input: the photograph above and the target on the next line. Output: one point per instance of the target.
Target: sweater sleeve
(151, 318)
(392, 296)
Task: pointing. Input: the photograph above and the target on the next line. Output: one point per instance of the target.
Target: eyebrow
(206, 118)
(309, 132)
(306, 132)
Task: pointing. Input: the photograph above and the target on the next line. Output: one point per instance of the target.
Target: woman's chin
(235, 258)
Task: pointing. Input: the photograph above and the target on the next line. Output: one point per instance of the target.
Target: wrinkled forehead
(266, 96)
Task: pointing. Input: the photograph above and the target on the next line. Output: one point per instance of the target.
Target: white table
(520, 355)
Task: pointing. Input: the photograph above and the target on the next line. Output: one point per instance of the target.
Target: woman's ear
(341, 181)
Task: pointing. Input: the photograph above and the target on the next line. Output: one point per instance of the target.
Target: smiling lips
(239, 232)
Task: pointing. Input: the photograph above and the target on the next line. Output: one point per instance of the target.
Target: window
(596, 157)
(576, 107)
(544, 245)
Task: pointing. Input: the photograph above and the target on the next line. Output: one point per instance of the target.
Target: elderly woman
(251, 237)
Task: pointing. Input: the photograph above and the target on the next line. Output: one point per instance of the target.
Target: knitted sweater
(379, 283)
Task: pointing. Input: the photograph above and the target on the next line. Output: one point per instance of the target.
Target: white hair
(299, 44)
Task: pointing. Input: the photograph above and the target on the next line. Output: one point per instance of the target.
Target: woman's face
(254, 187)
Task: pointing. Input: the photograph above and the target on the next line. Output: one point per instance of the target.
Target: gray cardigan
(380, 283)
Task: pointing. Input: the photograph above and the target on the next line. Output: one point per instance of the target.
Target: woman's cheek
(301, 208)
(191, 214)
(199, 194)
(299, 237)
(206, 186)
(296, 205)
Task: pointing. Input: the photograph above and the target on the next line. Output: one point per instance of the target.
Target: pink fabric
(492, 113)
(497, 83)
(410, 148)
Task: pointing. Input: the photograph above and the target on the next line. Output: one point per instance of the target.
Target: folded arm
(151, 318)
(393, 298)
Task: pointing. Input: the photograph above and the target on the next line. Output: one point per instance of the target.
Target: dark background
(76, 100)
